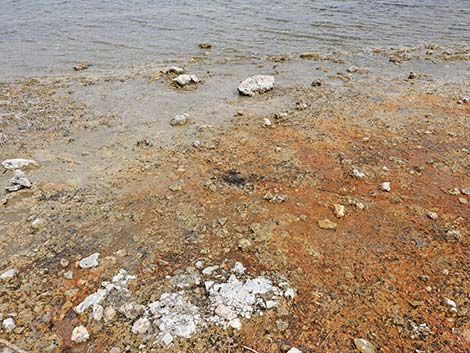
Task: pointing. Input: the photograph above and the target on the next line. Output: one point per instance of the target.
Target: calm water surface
(48, 36)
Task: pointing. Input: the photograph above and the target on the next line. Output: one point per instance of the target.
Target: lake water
(48, 36)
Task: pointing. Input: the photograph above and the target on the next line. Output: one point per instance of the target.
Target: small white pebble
(9, 324)
(386, 186)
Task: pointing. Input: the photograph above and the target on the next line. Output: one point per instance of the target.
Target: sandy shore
(166, 203)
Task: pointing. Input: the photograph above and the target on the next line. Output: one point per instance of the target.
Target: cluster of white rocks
(196, 298)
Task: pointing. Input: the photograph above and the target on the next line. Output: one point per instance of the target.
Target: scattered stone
(451, 304)
(174, 70)
(463, 200)
(179, 120)
(244, 244)
(19, 163)
(352, 69)
(80, 334)
(98, 312)
(356, 173)
(266, 123)
(185, 79)
(294, 350)
(385, 186)
(327, 224)
(364, 346)
(453, 236)
(205, 45)
(175, 315)
(64, 262)
(340, 210)
(166, 339)
(131, 310)
(256, 85)
(278, 198)
(209, 270)
(141, 326)
(316, 83)
(465, 191)
(433, 215)
(9, 324)
(38, 223)
(82, 66)
(239, 268)
(68, 275)
(10, 273)
(412, 76)
(454, 191)
(90, 261)
(19, 181)
(115, 350)
(109, 313)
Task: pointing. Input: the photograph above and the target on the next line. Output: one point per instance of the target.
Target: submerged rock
(256, 85)
(179, 120)
(183, 80)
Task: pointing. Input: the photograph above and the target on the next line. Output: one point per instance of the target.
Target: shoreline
(115, 178)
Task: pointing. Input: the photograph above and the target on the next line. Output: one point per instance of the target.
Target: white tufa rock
(294, 350)
(209, 270)
(358, 173)
(166, 339)
(118, 283)
(175, 315)
(266, 123)
(385, 186)
(19, 163)
(80, 334)
(141, 326)
(239, 268)
(256, 84)
(179, 120)
(9, 324)
(19, 181)
(10, 273)
(90, 261)
(433, 215)
(98, 312)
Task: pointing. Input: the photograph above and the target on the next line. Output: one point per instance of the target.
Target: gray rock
(19, 163)
(256, 85)
(386, 187)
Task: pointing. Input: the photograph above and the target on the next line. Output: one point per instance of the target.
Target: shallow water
(48, 36)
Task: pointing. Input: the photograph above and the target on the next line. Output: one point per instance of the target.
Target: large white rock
(256, 84)
(90, 261)
(185, 79)
(80, 334)
(19, 163)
